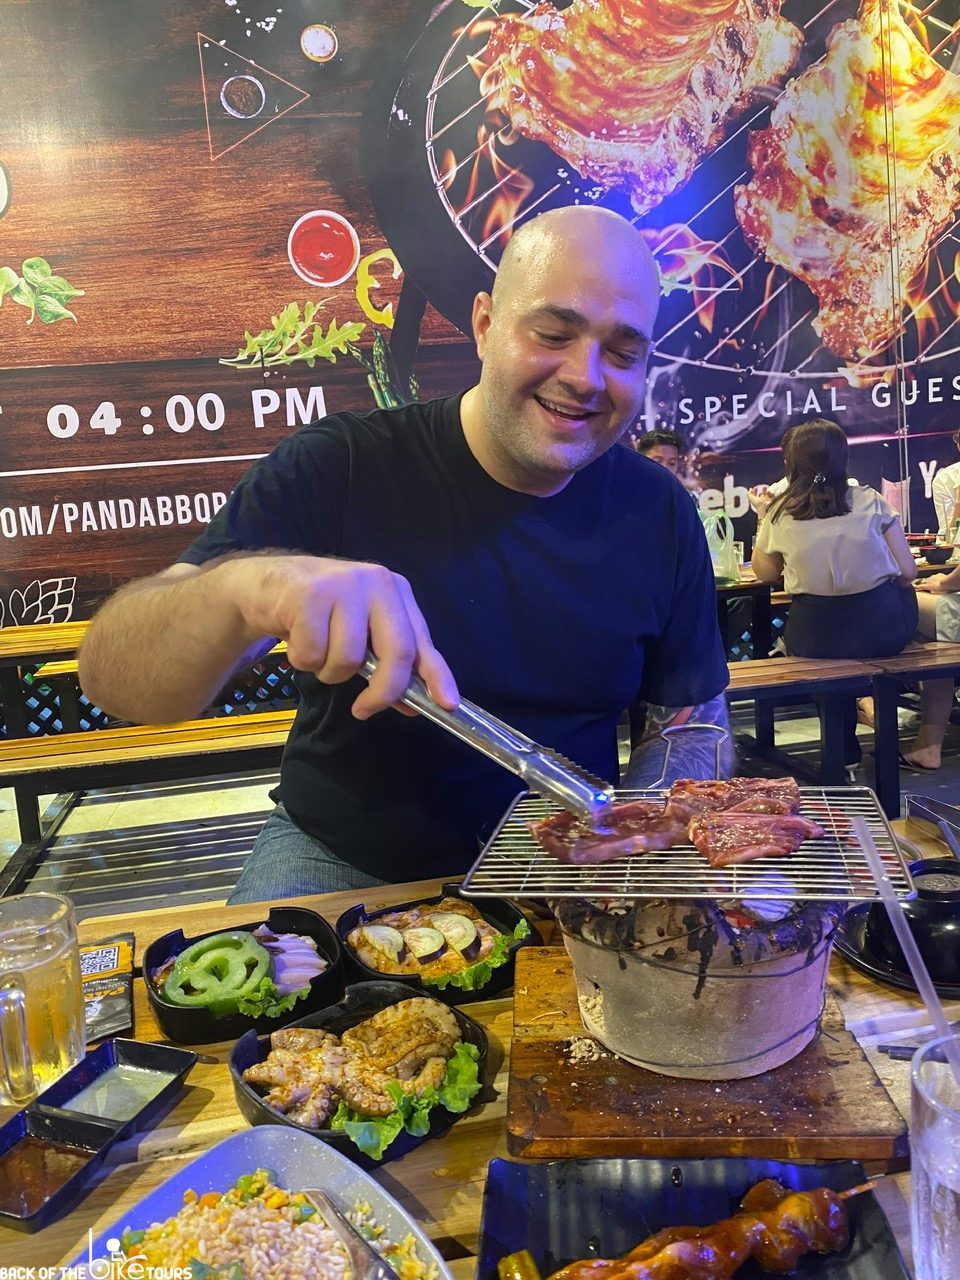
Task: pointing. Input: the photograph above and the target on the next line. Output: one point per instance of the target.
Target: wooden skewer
(862, 1187)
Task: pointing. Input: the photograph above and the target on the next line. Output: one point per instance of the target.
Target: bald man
(501, 544)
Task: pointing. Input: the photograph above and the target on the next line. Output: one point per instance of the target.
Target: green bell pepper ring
(216, 972)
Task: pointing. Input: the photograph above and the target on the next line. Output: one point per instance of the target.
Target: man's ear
(481, 319)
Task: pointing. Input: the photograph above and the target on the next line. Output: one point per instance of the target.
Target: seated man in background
(501, 542)
(662, 446)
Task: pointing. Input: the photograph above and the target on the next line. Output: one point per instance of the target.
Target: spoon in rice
(365, 1262)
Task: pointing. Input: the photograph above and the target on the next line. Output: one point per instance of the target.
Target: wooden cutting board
(827, 1104)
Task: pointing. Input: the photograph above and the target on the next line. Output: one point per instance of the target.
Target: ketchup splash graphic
(323, 248)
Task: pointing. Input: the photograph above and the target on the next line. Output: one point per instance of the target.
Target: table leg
(831, 708)
(764, 710)
(28, 814)
(11, 696)
(761, 626)
(886, 749)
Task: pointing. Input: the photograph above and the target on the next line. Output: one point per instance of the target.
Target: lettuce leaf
(266, 1001)
(374, 1134)
(478, 975)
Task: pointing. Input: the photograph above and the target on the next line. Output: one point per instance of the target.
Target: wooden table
(441, 1183)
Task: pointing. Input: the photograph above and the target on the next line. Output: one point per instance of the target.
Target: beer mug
(42, 1031)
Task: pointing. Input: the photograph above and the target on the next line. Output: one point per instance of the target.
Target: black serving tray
(570, 1209)
(164, 1058)
(49, 1117)
(498, 912)
(361, 1001)
(199, 1026)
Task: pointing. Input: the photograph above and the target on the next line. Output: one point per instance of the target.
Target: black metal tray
(199, 1026)
(49, 1117)
(361, 1001)
(497, 912)
(571, 1209)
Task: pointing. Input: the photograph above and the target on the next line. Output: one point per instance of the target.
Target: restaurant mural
(221, 218)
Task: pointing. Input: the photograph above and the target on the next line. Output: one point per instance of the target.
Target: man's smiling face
(564, 343)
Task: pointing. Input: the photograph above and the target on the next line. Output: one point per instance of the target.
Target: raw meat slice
(635, 827)
(691, 796)
(728, 838)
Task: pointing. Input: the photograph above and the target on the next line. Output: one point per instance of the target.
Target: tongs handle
(543, 770)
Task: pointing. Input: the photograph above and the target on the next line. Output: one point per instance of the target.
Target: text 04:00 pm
(182, 413)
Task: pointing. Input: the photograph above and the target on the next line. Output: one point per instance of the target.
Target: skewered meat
(689, 797)
(728, 838)
(774, 1226)
(635, 827)
(635, 92)
(820, 201)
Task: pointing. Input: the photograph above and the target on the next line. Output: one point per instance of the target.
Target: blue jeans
(287, 862)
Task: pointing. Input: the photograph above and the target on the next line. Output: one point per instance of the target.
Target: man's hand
(329, 612)
(160, 648)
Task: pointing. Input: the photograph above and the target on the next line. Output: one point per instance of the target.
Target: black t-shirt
(552, 613)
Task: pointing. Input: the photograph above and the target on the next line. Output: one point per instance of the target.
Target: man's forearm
(693, 752)
(160, 648)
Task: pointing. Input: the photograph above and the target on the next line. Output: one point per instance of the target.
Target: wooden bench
(929, 661)
(113, 757)
(828, 682)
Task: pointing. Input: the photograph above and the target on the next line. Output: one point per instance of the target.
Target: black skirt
(871, 624)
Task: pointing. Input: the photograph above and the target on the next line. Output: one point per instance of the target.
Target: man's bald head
(600, 234)
(564, 341)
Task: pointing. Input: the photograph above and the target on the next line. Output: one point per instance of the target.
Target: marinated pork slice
(689, 797)
(635, 827)
(728, 838)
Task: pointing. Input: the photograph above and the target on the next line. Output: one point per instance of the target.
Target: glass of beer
(42, 1031)
(935, 1163)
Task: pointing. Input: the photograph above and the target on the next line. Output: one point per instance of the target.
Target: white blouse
(837, 556)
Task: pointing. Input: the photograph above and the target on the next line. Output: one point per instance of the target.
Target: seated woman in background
(844, 559)
(939, 620)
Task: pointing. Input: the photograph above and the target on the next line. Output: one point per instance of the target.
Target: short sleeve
(291, 500)
(685, 664)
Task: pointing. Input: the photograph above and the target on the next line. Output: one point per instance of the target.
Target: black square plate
(570, 1209)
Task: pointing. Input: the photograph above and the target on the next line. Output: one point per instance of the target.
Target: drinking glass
(42, 1032)
(935, 1163)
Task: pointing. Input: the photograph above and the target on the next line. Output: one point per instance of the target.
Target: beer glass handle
(14, 1047)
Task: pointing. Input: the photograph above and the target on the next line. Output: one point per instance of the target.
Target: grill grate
(829, 869)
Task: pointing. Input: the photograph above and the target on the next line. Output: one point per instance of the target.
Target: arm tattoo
(693, 754)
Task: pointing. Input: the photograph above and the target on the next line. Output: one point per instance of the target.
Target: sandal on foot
(916, 766)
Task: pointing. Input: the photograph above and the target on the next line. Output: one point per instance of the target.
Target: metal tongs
(365, 1262)
(543, 770)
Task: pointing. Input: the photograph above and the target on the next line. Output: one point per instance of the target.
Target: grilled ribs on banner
(636, 92)
(820, 203)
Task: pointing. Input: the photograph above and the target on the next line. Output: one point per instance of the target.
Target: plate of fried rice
(237, 1213)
